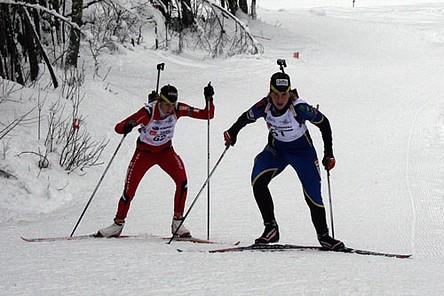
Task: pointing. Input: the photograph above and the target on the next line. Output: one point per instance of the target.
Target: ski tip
(406, 256)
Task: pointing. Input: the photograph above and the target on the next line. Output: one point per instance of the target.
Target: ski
(137, 236)
(287, 247)
(59, 238)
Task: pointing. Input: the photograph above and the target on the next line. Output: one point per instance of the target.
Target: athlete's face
(279, 99)
(166, 108)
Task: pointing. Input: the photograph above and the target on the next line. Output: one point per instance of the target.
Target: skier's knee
(183, 186)
(313, 201)
(262, 180)
(126, 198)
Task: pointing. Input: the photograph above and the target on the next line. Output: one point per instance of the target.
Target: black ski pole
(208, 171)
(200, 191)
(331, 206)
(98, 184)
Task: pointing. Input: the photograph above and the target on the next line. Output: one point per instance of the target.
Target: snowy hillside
(375, 71)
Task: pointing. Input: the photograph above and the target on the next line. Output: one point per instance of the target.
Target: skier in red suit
(157, 121)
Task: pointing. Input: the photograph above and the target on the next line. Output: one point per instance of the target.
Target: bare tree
(22, 39)
(42, 50)
(221, 33)
(11, 67)
(78, 149)
(31, 47)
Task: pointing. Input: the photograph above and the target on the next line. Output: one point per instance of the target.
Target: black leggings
(265, 203)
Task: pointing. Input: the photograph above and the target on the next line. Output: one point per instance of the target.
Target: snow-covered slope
(375, 72)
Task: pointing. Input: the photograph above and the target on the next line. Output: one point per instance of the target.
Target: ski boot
(182, 231)
(114, 230)
(330, 243)
(270, 235)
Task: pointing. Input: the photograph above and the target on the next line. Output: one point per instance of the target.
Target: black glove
(328, 162)
(128, 127)
(209, 92)
(294, 92)
(152, 96)
(230, 138)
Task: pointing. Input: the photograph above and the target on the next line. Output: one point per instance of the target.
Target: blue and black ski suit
(289, 143)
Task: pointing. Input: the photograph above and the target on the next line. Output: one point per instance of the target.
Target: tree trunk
(55, 4)
(30, 48)
(253, 9)
(243, 6)
(2, 72)
(74, 35)
(42, 49)
(3, 48)
(232, 6)
(187, 14)
(165, 13)
(10, 54)
(36, 19)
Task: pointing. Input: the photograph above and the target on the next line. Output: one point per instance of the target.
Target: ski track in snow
(424, 178)
(376, 73)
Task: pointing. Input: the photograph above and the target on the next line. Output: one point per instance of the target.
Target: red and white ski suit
(154, 146)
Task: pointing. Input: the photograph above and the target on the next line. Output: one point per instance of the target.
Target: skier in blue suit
(289, 143)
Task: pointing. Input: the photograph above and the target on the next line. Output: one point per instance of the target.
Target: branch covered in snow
(236, 20)
(44, 9)
(8, 128)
